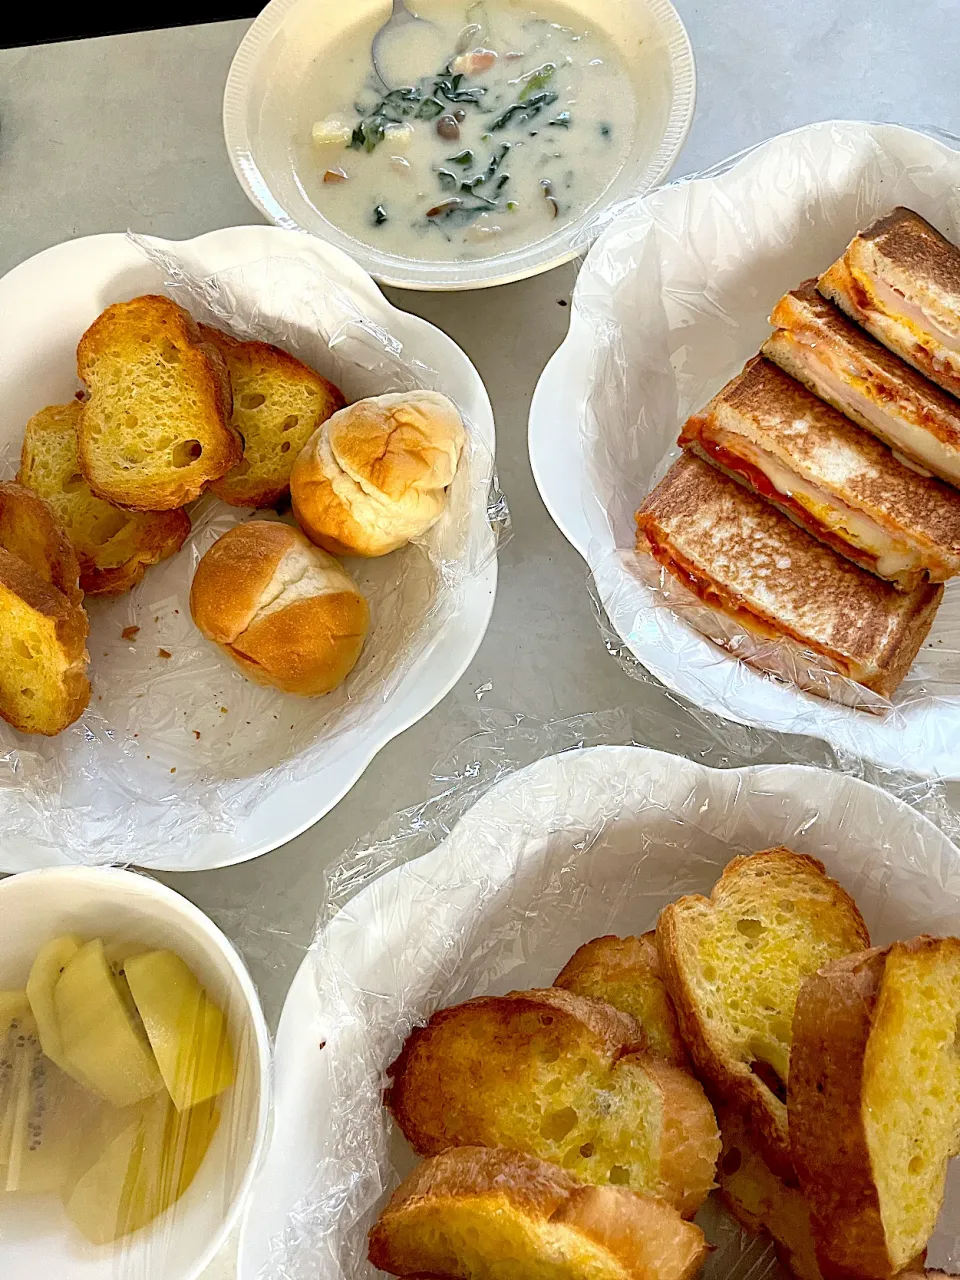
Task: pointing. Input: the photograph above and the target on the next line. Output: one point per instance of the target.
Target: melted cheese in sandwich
(855, 397)
(910, 314)
(893, 555)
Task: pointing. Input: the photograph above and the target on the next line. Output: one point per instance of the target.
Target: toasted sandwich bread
(43, 658)
(278, 403)
(834, 479)
(760, 1201)
(816, 344)
(30, 530)
(733, 964)
(765, 579)
(474, 1213)
(625, 972)
(901, 280)
(114, 547)
(554, 1075)
(156, 429)
(874, 1102)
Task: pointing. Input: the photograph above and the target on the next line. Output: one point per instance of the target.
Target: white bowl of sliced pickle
(134, 1079)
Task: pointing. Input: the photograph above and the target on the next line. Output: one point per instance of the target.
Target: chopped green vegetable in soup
(523, 127)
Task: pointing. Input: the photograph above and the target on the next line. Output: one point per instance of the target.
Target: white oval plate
(45, 305)
(702, 263)
(546, 860)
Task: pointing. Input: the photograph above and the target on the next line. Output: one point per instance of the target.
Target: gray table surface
(124, 132)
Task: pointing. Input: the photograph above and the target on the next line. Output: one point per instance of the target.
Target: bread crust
(439, 1092)
(153, 536)
(760, 1201)
(765, 417)
(833, 1022)
(30, 530)
(222, 448)
(418, 1110)
(806, 316)
(234, 574)
(644, 1238)
(730, 1080)
(70, 626)
(280, 608)
(725, 544)
(841, 285)
(375, 475)
(269, 487)
(603, 963)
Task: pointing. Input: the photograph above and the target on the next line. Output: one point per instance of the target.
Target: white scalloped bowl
(581, 844)
(671, 301)
(45, 305)
(270, 68)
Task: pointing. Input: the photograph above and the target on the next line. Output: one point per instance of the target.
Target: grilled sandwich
(832, 478)
(766, 579)
(839, 362)
(901, 280)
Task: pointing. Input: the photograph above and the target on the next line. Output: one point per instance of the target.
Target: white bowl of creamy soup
(491, 140)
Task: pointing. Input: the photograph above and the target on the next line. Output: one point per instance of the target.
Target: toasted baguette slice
(30, 530)
(278, 403)
(874, 1101)
(43, 658)
(553, 1074)
(114, 547)
(625, 972)
(760, 1201)
(155, 430)
(733, 965)
(478, 1214)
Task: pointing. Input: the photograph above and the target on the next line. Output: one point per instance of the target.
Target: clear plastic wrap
(123, 1160)
(175, 739)
(538, 838)
(673, 299)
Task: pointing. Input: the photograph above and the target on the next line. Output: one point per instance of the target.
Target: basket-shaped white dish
(671, 302)
(578, 845)
(45, 305)
(263, 99)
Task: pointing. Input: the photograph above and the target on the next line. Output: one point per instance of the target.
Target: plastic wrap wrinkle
(520, 857)
(675, 298)
(175, 738)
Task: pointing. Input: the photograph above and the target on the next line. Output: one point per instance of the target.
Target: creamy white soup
(501, 124)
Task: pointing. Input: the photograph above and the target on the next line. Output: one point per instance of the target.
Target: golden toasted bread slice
(156, 429)
(556, 1075)
(114, 547)
(43, 658)
(733, 965)
(30, 529)
(278, 403)
(625, 972)
(474, 1213)
(874, 1101)
(760, 1201)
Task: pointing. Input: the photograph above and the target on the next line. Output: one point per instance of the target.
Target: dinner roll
(286, 613)
(375, 474)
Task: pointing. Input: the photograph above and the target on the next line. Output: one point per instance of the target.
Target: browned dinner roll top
(375, 474)
(282, 609)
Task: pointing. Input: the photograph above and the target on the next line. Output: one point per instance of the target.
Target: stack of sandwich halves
(817, 502)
